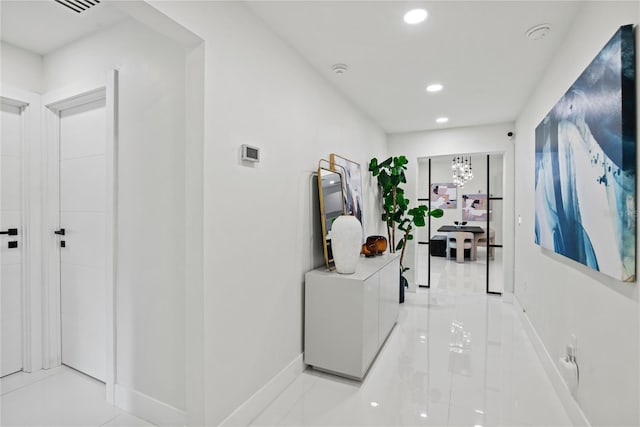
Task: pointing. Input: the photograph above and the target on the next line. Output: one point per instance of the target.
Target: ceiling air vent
(78, 6)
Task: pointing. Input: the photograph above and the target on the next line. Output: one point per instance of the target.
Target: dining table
(467, 228)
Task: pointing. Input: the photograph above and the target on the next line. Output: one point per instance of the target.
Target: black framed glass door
(463, 249)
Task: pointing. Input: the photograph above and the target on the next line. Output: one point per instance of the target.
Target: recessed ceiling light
(436, 87)
(423, 415)
(415, 16)
(375, 404)
(442, 119)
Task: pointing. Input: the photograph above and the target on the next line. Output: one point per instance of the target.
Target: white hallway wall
(150, 282)
(152, 89)
(447, 142)
(20, 68)
(562, 297)
(151, 247)
(260, 235)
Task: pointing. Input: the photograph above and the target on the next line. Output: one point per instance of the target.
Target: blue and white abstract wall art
(585, 183)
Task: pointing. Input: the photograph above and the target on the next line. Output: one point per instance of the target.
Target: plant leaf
(436, 213)
(373, 165)
(386, 163)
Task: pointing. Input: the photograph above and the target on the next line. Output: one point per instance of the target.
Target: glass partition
(495, 270)
(463, 249)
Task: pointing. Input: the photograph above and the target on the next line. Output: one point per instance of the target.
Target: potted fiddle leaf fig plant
(396, 212)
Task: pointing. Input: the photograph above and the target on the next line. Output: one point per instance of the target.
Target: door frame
(29, 105)
(55, 102)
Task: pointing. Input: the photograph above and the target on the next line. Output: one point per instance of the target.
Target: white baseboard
(148, 408)
(570, 405)
(252, 407)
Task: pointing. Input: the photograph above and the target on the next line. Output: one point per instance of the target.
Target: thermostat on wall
(249, 153)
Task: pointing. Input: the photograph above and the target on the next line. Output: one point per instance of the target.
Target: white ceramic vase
(346, 243)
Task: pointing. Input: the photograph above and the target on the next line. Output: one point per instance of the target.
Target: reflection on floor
(454, 358)
(469, 276)
(59, 397)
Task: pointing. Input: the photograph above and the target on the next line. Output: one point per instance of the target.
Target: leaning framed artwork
(352, 184)
(585, 165)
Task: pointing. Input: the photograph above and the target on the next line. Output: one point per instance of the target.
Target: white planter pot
(346, 243)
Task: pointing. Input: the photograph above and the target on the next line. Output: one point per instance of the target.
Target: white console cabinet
(349, 316)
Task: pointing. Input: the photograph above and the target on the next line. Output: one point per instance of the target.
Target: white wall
(260, 231)
(20, 68)
(447, 142)
(150, 283)
(562, 297)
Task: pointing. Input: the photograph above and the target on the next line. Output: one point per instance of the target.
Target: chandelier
(461, 170)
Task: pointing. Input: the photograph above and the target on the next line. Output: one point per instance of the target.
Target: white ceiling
(476, 49)
(42, 26)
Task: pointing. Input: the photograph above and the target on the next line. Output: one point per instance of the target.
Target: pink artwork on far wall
(474, 207)
(443, 196)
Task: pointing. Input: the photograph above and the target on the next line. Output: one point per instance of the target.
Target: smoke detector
(340, 68)
(538, 32)
(78, 6)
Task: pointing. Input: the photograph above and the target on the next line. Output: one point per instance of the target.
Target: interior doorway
(463, 249)
(80, 228)
(11, 233)
(81, 234)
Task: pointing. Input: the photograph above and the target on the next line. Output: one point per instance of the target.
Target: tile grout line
(280, 394)
(279, 423)
(46, 377)
(109, 420)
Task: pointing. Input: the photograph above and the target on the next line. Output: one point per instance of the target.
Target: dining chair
(480, 239)
(460, 241)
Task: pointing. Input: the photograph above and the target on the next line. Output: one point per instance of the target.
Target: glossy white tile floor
(59, 397)
(454, 358)
(467, 276)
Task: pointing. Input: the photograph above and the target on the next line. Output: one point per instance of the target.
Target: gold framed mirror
(330, 186)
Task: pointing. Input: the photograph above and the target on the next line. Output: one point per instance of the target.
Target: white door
(11, 243)
(83, 203)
